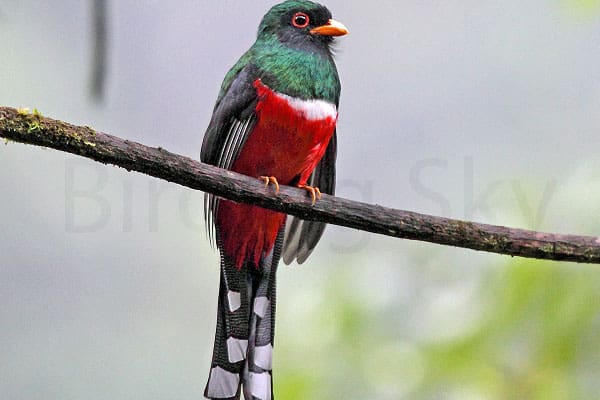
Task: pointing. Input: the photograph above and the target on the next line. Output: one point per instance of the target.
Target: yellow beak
(331, 28)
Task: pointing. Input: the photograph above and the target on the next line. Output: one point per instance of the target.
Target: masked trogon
(275, 120)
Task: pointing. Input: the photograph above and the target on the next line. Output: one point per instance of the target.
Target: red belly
(284, 144)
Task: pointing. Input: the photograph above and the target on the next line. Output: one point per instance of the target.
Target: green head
(293, 50)
(300, 23)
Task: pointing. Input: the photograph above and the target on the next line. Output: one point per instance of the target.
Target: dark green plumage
(298, 65)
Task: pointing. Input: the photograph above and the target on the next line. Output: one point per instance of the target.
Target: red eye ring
(300, 20)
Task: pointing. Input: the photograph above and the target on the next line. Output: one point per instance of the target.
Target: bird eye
(300, 20)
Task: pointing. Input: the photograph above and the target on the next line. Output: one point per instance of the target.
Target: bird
(275, 120)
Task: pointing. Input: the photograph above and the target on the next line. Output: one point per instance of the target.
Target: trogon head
(300, 24)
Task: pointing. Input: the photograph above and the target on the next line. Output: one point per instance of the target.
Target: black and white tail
(243, 349)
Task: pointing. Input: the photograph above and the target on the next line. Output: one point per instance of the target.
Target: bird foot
(270, 179)
(315, 193)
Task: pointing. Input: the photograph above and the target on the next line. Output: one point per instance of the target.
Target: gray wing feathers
(301, 236)
(233, 120)
(236, 138)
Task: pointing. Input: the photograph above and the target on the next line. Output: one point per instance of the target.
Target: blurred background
(486, 111)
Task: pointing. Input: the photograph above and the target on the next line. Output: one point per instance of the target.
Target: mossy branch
(32, 128)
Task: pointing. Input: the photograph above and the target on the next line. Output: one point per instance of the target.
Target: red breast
(287, 142)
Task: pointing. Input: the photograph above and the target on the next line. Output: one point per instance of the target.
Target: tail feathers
(258, 384)
(231, 337)
(243, 349)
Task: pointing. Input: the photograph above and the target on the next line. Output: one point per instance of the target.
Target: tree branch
(32, 128)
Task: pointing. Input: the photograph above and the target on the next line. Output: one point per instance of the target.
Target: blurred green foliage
(536, 336)
(585, 7)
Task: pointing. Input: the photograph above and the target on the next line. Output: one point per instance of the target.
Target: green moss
(591, 253)
(497, 243)
(34, 126)
(33, 120)
(91, 130)
(547, 249)
(34, 123)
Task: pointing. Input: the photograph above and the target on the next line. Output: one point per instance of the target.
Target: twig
(32, 128)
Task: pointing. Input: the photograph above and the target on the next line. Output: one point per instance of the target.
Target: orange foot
(315, 193)
(270, 179)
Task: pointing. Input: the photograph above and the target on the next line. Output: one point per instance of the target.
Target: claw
(270, 179)
(315, 193)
